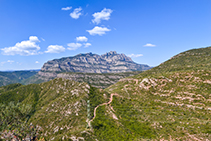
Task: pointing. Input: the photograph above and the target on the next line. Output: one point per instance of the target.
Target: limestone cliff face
(98, 70)
(110, 62)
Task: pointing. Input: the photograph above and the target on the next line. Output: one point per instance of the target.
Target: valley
(15, 77)
(108, 70)
(169, 102)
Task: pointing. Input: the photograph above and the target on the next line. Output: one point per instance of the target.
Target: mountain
(98, 70)
(169, 102)
(98, 80)
(15, 76)
(110, 62)
(173, 98)
(58, 107)
(194, 59)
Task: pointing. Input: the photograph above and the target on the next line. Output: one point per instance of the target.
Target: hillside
(100, 71)
(177, 105)
(173, 98)
(59, 107)
(15, 77)
(194, 59)
(169, 102)
(98, 80)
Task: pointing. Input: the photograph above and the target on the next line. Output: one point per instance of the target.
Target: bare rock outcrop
(110, 62)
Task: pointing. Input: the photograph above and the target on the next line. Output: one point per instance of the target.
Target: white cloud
(135, 55)
(34, 39)
(103, 15)
(10, 61)
(73, 46)
(28, 47)
(37, 62)
(76, 13)
(87, 45)
(67, 8)
(55, 49)
(149, 45)
(81, 39)
(98, 30)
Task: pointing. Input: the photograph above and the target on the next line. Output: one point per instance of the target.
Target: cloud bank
(28, 47)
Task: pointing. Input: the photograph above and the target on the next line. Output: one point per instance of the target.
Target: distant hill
(21, 70)
(169, 102)
(194, 59)
(174, 98)
(15, 76)
(98, 80)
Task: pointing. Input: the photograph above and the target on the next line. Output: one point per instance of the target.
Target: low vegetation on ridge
(7, 78)
(169, 102)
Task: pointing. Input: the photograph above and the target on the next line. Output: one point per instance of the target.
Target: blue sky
(150, 31)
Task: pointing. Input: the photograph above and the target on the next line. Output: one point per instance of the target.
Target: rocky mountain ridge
(98, 70)
(110, 62)
(98, 80)
(169, 102)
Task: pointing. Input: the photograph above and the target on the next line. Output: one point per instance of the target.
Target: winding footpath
(111, 99)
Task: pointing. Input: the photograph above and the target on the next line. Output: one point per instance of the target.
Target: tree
(14, 121)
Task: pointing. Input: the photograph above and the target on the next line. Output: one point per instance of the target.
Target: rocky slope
(92, 63)
(59, 107)
(98, 80)
(98, 70)
(177, 106)
(173, 98)
(169, 102)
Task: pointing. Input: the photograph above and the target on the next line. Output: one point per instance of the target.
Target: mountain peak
(110, 53)
(89, 53)
(109, 62)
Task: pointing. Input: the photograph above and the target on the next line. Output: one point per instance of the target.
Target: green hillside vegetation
(15, 77)
(58, 107)
(9, 87)
(14, 119)
(174, 98)
(195, 59)
(169, 102)
(177, 106)
(99, 80)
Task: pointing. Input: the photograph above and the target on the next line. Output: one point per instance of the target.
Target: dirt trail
(111, 99)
